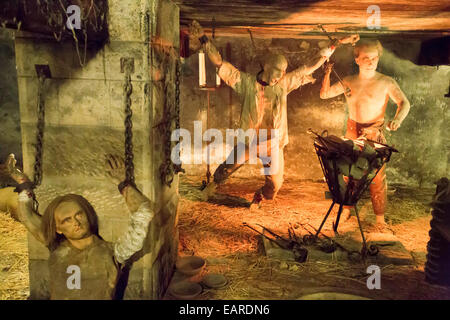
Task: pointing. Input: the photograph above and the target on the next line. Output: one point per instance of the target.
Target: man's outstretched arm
(226, 71)
(328, 91)
(326, 53)
(198, 37)
(25, 213)
(30, 219)
(297, 77)
(213, 54)
(141, 213)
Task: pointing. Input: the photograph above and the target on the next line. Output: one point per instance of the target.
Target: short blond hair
(367, 43)
(273, 59)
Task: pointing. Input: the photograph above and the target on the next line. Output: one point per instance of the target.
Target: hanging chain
(177, 167)
(166, 167)
(37, 176)
(177, 93)
(128, 90)
(171, 113)
(254, 49)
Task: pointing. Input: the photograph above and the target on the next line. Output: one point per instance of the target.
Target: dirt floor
(213, 230)
(14, 280)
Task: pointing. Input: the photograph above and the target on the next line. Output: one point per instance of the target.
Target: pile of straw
(14, 280)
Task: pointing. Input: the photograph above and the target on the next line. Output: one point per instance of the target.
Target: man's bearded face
(71, 221)
(368, 59)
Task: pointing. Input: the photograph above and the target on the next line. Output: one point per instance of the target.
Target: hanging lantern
(206, 76)
(201, 69)
(217, 78)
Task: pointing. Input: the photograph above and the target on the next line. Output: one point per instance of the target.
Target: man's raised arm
(226, 71)
(198, 37)
(141, 215)
(326, 91)
(297, 77)
(326, 53)
(141, 212)
(26, 215)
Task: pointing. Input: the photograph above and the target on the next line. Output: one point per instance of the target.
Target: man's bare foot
(257, 201)
(380, 226)
(380, 220)
(209, 191)
(346, 214)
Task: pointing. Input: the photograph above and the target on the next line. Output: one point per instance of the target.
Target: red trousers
(378, 188)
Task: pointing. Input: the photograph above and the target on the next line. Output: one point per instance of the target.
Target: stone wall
(9, 100)
(85, 121)
(422, 140)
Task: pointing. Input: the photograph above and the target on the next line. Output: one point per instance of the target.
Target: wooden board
(293, 19)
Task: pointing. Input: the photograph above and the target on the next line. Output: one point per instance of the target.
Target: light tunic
(264, 107)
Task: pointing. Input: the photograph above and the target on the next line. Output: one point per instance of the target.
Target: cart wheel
(373, 250)
(309, 239)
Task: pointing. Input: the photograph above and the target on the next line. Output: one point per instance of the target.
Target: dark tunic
(98, 271)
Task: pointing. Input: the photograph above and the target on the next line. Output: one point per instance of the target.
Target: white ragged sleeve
(133, 240)
(230, 75)
(24, 197)
(297, 78)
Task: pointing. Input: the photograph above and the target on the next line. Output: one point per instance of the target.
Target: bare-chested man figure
(264, 106)
(69, 229)
(367, 100)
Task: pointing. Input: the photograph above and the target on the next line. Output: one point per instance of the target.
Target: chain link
(177, 167)
(177, 93)
(37, 176)
(167, 170)
(129, 156)
(167, 167)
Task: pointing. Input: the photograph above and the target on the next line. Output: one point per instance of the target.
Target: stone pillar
(85, 120)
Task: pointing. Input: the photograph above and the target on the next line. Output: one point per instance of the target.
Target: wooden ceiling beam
(292, 19)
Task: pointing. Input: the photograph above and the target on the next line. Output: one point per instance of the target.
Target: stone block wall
(85, 121)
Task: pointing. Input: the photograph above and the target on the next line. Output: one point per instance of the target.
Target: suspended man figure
(264, 110)
(69, 229)
(367, 94)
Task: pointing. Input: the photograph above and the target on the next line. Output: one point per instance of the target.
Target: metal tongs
(292, 244)
(347, 92)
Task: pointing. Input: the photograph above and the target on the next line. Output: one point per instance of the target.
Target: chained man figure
(69, 229)
(264, 110)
